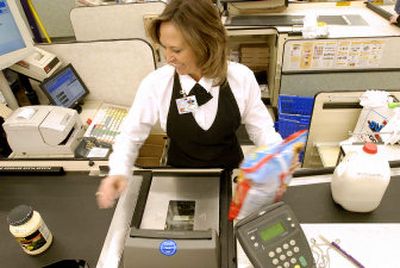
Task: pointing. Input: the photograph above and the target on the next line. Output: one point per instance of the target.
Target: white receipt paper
(26, 113)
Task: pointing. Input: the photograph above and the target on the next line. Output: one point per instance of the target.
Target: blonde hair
(201, 27)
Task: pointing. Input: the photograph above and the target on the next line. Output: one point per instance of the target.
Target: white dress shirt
(152, 101)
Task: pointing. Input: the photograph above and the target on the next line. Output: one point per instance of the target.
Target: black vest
(192, 147)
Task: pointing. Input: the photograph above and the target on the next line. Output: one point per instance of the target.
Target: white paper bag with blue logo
(373, 117)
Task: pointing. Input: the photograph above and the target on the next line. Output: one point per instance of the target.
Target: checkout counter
(111, 238)
(189, 207)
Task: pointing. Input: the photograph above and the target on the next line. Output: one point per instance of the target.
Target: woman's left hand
(297, 148)
(295, 163)
(393, 19)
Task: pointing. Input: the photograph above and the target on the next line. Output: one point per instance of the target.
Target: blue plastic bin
(294, 114)
(288, 127)
(301, 119)
(288, 104)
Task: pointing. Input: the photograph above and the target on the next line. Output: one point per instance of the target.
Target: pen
(341, 251)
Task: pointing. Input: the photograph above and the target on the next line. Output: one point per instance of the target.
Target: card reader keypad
(272, 238)
(285, 256)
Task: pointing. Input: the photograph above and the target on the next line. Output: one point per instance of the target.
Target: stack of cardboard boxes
(152, 153)
(255, 56)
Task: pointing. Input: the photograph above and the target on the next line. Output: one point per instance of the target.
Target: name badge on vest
(187, 104)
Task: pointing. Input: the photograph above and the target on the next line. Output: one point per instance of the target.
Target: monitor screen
(15, 40)
(65, 87)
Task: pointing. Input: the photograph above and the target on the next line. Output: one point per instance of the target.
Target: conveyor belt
(379, 10)
(266, 20)
(68, 206)
(314, 204)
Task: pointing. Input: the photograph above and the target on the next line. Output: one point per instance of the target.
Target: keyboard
(106, 123)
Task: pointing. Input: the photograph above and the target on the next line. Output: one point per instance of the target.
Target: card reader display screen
(65, 88)
(272, 231)
(180, 215)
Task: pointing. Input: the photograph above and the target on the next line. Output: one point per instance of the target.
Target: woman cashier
(200, 99)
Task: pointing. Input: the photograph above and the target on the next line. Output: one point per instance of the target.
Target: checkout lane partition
(86, 21)
(334, 118)
(106, 67)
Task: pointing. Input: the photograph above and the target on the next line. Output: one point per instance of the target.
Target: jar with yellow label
(29, 229)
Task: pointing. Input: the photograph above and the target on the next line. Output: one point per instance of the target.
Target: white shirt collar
(187, 83)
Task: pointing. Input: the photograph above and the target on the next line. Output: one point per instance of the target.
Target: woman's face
(177, 51)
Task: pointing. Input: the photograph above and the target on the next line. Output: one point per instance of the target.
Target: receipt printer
(37, 131)
(39, 65)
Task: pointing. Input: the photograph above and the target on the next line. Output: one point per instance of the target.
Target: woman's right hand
(110, 189)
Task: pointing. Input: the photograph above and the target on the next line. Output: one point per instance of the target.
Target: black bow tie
(202, 96)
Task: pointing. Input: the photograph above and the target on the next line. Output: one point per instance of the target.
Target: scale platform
(181, 218)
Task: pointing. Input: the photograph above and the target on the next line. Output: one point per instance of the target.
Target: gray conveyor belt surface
(314, 204)
(67, 205)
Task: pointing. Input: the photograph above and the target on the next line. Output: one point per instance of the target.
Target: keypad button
(252, 237)
(285, 246)
(278, 250)
(275, 261)
(289, 218)
(289, 253)
(293, 225)
(279, 266)
(286, 264)
(303, 261)
(293, 260)
(292, 242)
(297, 266)
(282, 257)
(256, 244)
(296, 249)
(271, 254)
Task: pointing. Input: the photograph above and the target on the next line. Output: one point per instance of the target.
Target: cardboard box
(152, 152)
(255, 56)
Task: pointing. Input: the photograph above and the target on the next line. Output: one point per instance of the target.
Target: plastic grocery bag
(264, 175)
(373, 117)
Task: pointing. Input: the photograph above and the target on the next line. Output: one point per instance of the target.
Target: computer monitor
(15, 39)
(65, 88)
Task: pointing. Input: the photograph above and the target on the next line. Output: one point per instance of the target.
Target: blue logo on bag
(168, 247)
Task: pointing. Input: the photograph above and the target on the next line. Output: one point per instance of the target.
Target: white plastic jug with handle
(360, 180)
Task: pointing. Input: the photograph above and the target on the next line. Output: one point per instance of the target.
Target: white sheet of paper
(98, 152)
